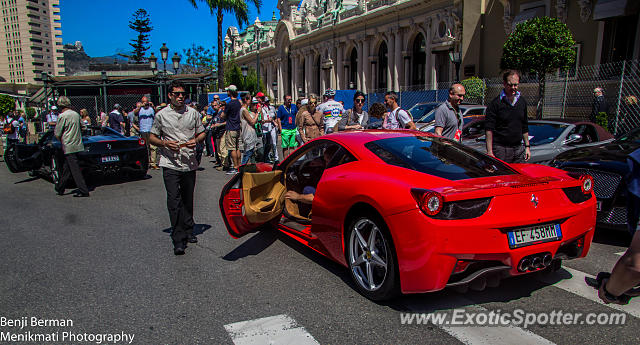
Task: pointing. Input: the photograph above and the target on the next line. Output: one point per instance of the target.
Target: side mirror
(573, 138)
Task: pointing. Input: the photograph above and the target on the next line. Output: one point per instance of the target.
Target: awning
(526, 15)
(615, 8)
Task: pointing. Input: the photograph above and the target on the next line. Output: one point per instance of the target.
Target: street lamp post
(164, 55)
(456, 58)
(153, 64)
(258, 59)
(244, 69)
(214, 75)
(274, 85)
(176, 62)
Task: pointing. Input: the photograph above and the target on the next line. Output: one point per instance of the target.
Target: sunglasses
(179, 93)
(360, 100)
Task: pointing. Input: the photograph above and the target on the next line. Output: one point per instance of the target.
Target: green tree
(7, 104)
(235, 7)
(538, 46)
(199, 59)
(475, 88)
(140, 23)
(233, 75)
(31, 113)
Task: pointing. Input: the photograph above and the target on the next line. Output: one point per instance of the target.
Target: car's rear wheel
(371, 258)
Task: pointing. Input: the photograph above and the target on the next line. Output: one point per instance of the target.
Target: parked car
(105, 151)
(548, 138)
(607, 164)
(411, 212)
(472, 127)
(419, 110)
(429, 118)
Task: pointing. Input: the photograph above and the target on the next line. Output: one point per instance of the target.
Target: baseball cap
(330, 92)
(116, 106)
(254, 100)
(304, 102)
(231, 88)
(266, 99)
(260, 95)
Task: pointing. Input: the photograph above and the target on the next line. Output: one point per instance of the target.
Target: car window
(428, 117)
(587, 132)
(418, 110)
(476, 128)
(437, 156)
(474, 111)
(544, 133)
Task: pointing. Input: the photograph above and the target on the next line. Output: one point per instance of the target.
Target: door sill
(296, 228)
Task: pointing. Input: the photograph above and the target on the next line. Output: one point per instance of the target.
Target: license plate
(598, 205)
(109, 159)
(534, 235)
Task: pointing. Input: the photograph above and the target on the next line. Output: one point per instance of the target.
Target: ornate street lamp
(352, 85)
(456, 58)
(153, 63)
(164, 55)
(274, 86)
(244, 69)
(176, 62)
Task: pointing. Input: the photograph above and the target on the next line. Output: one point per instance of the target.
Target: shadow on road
(253, 246)
(30, 179)
(612, 237)
(198, 229)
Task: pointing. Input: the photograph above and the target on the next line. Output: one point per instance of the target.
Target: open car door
(250, 200)
(23, 157)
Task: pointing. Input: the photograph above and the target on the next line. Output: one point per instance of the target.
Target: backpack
(8, 127)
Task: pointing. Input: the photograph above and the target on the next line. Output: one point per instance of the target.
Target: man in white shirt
(331, 110)
(397, 118)
(269, 133)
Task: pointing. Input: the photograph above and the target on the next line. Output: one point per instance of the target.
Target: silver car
(548, 138)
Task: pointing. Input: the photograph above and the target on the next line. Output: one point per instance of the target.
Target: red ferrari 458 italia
(412, 212)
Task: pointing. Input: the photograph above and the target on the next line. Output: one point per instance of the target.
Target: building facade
(408, 44)
(32, 40)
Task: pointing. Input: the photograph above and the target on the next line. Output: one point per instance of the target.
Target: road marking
(482, 335)
(273, 330)
(577, 285)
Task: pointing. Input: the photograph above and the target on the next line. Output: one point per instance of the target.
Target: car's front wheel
(371, 258)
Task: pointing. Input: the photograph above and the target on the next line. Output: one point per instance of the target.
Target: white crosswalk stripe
(483, 335)
(273, 330)
(577, 285)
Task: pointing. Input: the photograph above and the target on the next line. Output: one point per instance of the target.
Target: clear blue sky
(102, 25)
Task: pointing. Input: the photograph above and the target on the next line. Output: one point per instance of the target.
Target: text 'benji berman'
(34, 322)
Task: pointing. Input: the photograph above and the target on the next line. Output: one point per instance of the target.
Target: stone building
(409, 44)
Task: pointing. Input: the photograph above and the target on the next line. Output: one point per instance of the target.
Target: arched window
(383, 66)
(419, 61)
(353, 67)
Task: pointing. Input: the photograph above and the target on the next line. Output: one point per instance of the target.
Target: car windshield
(632, 136)
(544, 133)
(420, 111)
(437, 156)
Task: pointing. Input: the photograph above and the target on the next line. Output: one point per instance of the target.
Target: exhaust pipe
(536, 263)
(524, 265)
(546, 261)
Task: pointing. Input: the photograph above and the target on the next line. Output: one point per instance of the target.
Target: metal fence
(568, 94)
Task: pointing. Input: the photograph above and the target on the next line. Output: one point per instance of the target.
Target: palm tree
(236, 7)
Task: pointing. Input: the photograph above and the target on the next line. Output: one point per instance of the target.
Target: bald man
(448, 115)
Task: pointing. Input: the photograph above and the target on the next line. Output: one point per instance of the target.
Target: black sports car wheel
(371, 258)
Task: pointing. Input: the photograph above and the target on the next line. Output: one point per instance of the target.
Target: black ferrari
(607, 164)
(105, 152)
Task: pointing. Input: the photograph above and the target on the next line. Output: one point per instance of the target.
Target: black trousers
(509, 154)
(180, 186)
(267, 146)
(72, 169)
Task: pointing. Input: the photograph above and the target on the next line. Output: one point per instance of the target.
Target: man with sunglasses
(507, 125)
(355, 118)
(177, 130)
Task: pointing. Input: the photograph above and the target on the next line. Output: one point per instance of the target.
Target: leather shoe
(179, 250)
(192, 239)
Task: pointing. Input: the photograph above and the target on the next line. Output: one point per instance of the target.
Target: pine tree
(140, 23)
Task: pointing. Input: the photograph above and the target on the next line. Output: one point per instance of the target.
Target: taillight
(141, 142)
(586, 184)
(430, 202)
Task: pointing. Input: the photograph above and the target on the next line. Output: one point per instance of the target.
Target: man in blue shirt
(116, 121)
(287, 125)
(232, 136)
(146, 115)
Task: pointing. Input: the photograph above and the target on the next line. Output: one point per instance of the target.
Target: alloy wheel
(368, 255)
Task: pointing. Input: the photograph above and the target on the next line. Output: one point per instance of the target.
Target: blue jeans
(246, 156)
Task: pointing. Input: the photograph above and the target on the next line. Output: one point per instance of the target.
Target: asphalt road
(106, 263)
